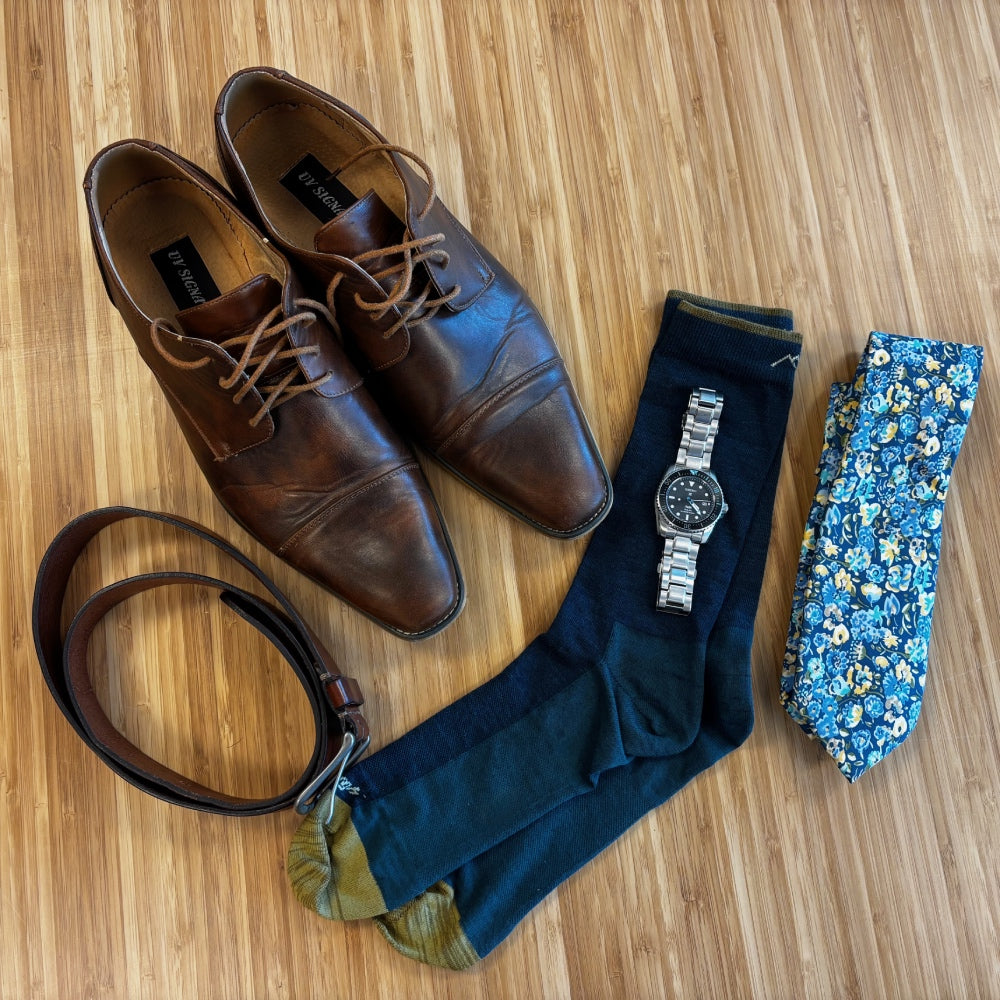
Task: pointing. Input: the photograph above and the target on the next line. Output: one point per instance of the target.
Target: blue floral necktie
(856, 657)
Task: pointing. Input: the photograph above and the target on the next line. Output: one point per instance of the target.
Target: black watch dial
(690, 499)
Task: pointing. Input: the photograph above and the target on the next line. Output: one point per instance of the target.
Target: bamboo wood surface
(841, 159)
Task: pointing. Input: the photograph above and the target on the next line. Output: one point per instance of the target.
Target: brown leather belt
(341, 730)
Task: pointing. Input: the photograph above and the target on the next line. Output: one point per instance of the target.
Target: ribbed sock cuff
(779, 319)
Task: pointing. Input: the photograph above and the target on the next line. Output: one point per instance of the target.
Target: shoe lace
(274, 347)
(414, 251)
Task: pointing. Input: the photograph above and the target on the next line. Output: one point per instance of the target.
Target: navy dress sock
(612, 680)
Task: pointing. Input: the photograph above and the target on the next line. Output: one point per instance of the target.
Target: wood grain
(841, 159)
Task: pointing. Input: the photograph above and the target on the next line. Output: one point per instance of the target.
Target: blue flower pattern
(856, 657)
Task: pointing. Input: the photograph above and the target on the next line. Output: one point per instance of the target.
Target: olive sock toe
(328, 866)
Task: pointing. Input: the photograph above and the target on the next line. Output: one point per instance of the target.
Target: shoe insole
(290, 151)
(174, 247)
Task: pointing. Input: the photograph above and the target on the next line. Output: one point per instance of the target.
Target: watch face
(690, 499)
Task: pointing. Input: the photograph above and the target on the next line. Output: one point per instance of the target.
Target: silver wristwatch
(689, 502)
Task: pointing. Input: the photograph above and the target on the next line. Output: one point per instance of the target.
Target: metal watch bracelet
(677, 567)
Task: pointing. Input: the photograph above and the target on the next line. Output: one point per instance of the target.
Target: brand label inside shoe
(184, 273)
(317, 188)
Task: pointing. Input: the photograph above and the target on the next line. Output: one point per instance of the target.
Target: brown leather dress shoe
(460, 358)
(277, 416)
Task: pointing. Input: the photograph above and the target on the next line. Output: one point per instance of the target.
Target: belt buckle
(350, 750)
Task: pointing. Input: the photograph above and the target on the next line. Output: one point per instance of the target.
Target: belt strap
(341, 730)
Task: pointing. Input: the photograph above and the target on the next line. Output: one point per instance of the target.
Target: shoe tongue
(367, 225)
(234, 312)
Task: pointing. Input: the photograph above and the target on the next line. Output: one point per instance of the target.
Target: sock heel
(657, 685)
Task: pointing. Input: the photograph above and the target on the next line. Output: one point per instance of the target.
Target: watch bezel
(692, 527)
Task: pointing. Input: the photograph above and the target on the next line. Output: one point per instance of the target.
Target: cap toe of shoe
(532, 451)
(386, 551)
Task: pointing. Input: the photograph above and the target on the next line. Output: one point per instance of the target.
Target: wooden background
(838, 158)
